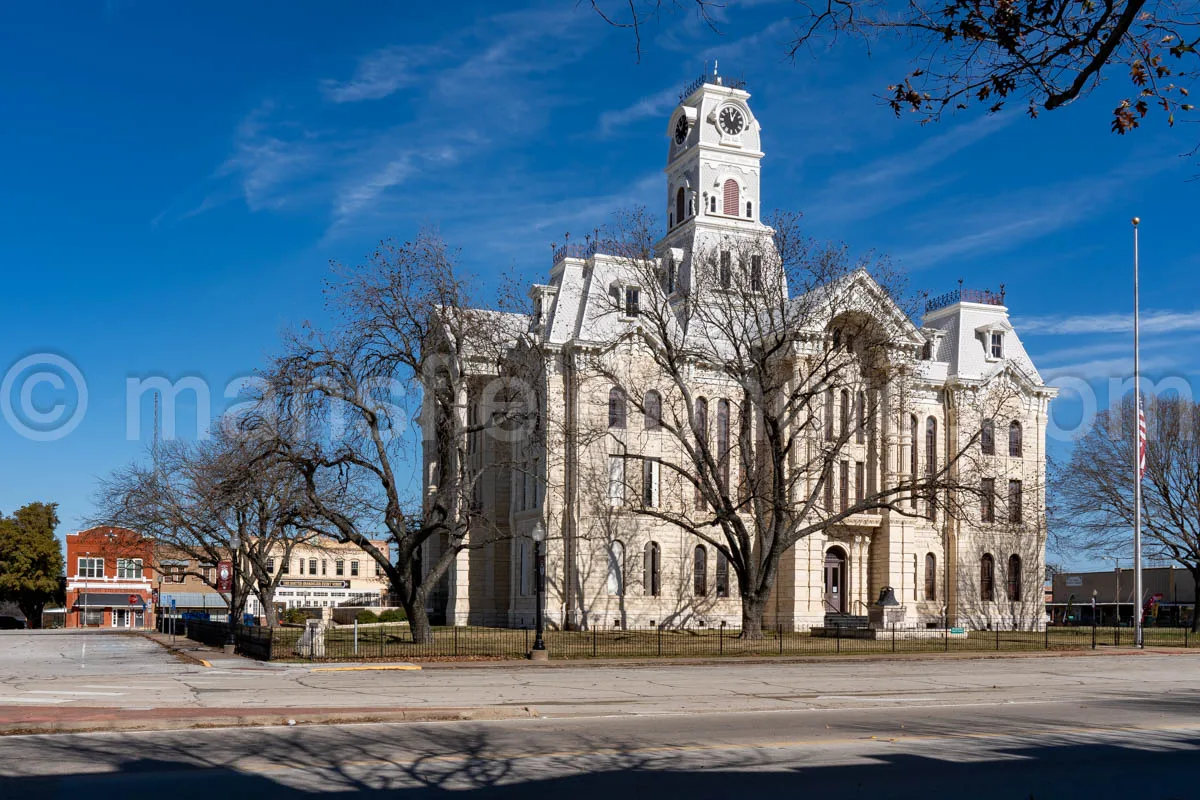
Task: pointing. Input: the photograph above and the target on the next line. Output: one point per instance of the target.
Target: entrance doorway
(835, 581)
(121, 617)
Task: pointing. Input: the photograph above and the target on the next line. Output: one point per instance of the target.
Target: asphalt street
(1046, 727)
(1139, 747)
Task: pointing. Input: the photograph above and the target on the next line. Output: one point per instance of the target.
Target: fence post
(1093, 633)
(779, 628)
(837, 632)
(595, 634)
(1117, 634)
(997, 636)
(893, 637)
(355, 635)
(1185, 637)
(456, 640)
(946, 636)
(721, 638)
(660, 640)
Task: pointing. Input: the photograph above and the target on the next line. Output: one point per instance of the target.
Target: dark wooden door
(835, 582)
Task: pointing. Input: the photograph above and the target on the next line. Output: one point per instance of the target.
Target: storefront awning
(192, 600)
(108, 600)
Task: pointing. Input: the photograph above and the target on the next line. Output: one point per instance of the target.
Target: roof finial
(714, 68)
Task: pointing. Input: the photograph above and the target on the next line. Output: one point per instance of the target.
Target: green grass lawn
(392, 642)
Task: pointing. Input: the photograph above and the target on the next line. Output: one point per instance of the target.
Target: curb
(179, 653)
(279, 718)
(978, 655)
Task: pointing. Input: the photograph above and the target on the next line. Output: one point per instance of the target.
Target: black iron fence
(395, 642)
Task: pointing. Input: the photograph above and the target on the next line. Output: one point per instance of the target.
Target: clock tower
(713, 172)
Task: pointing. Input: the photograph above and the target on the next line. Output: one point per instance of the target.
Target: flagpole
(1138, 633)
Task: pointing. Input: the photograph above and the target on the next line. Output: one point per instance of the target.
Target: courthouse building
(980, 567)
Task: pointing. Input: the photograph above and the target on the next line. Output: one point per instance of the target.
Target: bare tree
(781, 365)
(1042, 54)
(1093, 506)
(200, 498)
(349, 410)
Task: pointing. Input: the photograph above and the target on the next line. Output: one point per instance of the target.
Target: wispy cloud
(304, 156)
(655, 105)
(381, 73)
(1108, 368)
(1007, 220)
(1151, 322)
(888, 182)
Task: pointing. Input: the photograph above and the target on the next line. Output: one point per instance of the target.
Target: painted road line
(80, 694)
(396, 667)
(39, 700)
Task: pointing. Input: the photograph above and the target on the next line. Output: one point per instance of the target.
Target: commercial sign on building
(314, 583)
(1074, 580)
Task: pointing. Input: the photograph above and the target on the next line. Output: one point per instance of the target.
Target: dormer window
(632, 296)
(996, 345)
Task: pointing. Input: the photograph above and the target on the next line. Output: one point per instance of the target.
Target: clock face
(224, 572)
(681, 129)
(731, 120)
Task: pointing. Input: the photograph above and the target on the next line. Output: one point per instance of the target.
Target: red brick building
(110, 572)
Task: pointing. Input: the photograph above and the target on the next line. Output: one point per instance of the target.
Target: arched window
(700, 571)
(653, 410)
(730, 192)
(987, 437)
(930, 576)
(1014, 577)
(616, 569)
(712, 204)
(930, 446)
(749, 209)
(680, 205)
(913, 429)
(701, 429)
(701, 420)
(987, 577)
(616, 408)
(652, 564)
(931, 461)
(829, 415)
(1014, 439)
(722, 575)
(860, 414)
(723, 442)
(845, 413)
(914, 445)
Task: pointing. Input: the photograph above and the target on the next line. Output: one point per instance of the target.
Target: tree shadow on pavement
(434, 761)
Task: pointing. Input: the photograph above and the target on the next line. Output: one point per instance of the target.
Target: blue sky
(177, 179)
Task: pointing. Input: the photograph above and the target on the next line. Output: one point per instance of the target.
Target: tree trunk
(32, 610)
(753, 608)
(269, 617)
(418, 619)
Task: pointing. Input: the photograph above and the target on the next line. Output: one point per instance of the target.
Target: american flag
(1141, 439)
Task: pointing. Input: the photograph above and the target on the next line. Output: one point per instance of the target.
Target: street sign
(133, 599)
(172, 605)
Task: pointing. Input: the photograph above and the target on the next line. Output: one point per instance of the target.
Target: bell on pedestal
(887, 597)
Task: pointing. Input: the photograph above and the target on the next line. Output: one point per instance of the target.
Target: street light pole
(235, 546)
(538, 653)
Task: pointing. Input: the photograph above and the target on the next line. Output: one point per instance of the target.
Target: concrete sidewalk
(78, 719)
(124, 681)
